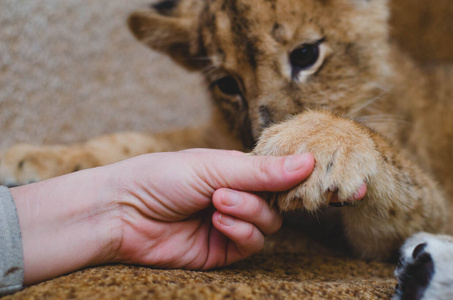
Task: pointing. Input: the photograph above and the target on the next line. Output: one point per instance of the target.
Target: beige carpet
(69, 71)
(290, 267)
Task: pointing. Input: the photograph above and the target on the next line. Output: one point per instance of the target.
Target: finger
(245, 238)
(247, 207)
(257, 173)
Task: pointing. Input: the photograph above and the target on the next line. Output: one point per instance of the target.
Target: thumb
(257, 173)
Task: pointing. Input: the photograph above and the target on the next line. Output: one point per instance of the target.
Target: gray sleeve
(11, 252)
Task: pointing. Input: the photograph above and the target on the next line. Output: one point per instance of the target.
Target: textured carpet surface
(290, 267)
(69, 70)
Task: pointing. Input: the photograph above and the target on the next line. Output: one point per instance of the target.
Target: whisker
(209, 70)
(379, 119)
(366, 104)
(202, 58)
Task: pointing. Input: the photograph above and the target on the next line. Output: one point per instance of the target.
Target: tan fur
(365, 111)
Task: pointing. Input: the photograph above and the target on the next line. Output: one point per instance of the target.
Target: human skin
(192, 209)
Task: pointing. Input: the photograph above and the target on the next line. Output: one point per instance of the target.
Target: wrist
(67, 223)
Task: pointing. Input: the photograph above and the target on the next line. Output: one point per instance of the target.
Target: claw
(329, 196)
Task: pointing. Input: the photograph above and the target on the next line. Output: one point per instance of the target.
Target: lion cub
(293, 76)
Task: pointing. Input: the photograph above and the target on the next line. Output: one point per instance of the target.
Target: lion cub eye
(304, 57)
(228, 85)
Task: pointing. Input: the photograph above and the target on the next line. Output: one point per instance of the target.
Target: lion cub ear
(172, 34)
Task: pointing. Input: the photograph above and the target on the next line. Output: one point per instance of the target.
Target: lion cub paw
(346, 158)
(424, 269)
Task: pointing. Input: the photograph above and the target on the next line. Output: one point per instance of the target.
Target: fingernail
(231, 198)
(295, 162)
(226, 220)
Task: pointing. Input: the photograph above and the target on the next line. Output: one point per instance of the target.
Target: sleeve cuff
(11, 251)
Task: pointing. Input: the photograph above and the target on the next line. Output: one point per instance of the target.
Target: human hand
(172, 210)
(190, 209)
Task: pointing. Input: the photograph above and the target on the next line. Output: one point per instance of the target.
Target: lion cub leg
(400, 198)
(23, 163)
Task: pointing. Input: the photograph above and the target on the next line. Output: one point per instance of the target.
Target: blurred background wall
(70, 70)
(424, 29)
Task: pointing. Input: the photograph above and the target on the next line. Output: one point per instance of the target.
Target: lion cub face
(267, 60)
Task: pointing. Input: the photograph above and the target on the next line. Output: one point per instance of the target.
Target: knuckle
(255, 207)
(263, 165)
(249, 233)
(276, 224)
(265, 168)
